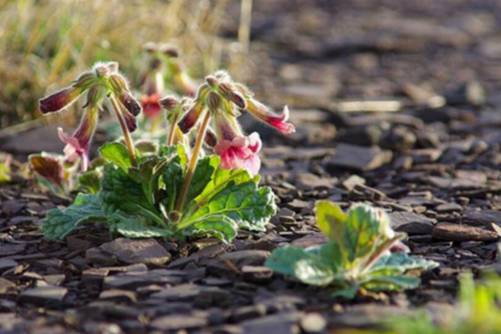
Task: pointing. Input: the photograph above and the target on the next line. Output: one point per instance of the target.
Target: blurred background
(305, 53)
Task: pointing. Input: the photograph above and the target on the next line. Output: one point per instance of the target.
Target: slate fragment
(459, 232)
(359, 158)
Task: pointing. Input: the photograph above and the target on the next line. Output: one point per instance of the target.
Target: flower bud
(59, 100)
(210, 138)
(212, 81)
(120, 88)
(105, 69)
(169, 102)
(230, 93)
(195, 110)
(213, 101)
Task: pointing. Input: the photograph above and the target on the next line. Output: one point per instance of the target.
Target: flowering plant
(171, 190)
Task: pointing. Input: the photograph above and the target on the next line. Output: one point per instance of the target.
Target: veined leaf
(121, 193)
(307, 267)
(203, 174)
(218, 226)
(90, 181)
(136, 227)
(330, 219)
(59, 223)
(117, 154)
(246, 204)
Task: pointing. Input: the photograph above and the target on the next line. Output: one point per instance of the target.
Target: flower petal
(264, 114)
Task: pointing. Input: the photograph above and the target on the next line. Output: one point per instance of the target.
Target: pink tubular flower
(77, 145)
(151, 105)
(235, 149)
(264, 114)
(240, 152)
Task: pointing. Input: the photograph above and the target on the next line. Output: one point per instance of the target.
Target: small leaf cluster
(138, 199)
(477, 311)
(357, 255)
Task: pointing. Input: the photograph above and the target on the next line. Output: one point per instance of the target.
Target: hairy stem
(192, 164)
(127, 137)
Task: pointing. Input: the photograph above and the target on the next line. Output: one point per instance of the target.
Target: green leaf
(173, 180)
(402, 262)
(147, 174)
(120, 192)
(330, 218)
(220, 179)
(391, 283)
(218, 226)
(117, 154)
(249, 206)
(59, 223)
(346, 293)
(90, 181)
(136, 227)
(305, 266)
(203, 174)
(4, 172)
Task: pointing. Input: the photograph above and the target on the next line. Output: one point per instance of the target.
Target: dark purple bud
(210, 138)
(59, 100)
(169, 102)
(231, 94)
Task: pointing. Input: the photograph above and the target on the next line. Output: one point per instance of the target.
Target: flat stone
(6, 285)
(43, 295)
(7, 264)
(482, 217)
(351, 182)
(147, 251)
(411, 223)
(12, 207)
(459, 232)
(247, 257)
(132, 280)
(281, 323)
(311, 239)
(176, 322)
(11, 249)
(313, 323)
(359, 157)
(448, 207)
(118, 295)
(309, 180)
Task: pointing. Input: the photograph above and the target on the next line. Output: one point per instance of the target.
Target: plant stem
(192, 164)
(127, 137)
(172, 130)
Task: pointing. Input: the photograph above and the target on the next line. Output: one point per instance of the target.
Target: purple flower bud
(120, 88)
(191, 117)
(169, 102)
(210, 138)
(231, 94)
(59, 100)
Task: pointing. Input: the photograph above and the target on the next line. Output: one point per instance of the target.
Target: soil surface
(396, 104)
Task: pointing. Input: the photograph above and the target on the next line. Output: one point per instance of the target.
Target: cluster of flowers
(219, 101)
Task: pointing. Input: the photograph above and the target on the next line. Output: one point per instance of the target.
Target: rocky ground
(396, 104)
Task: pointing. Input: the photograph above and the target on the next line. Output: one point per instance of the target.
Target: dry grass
(45, 43)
